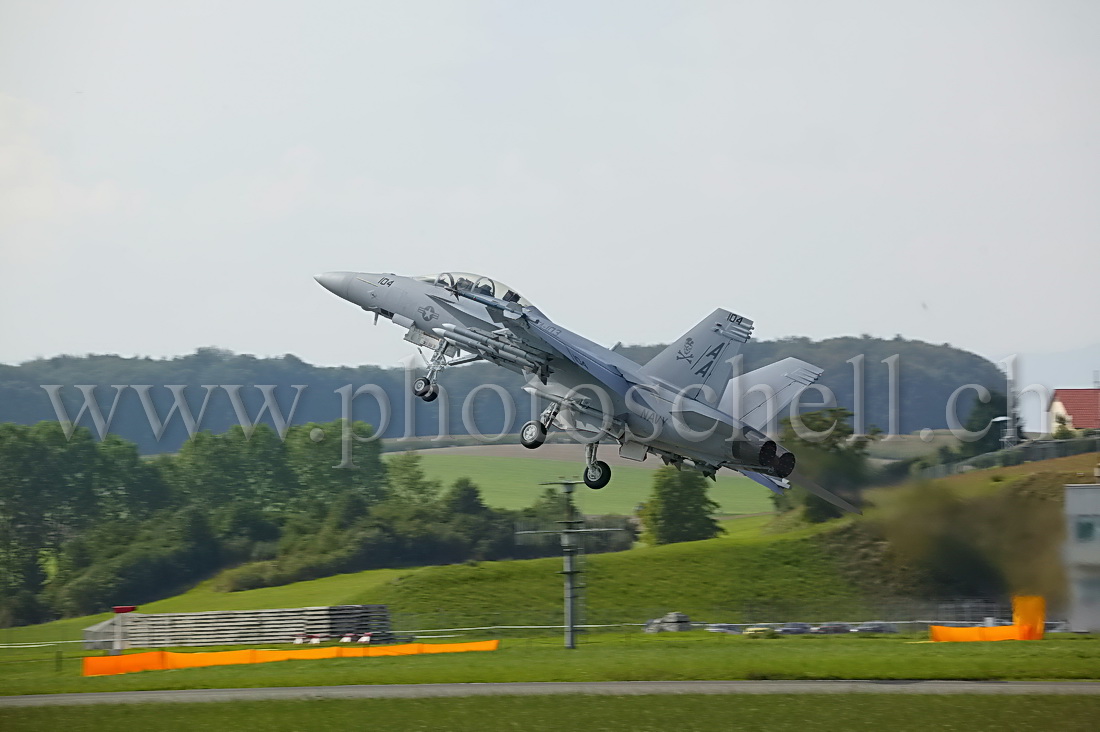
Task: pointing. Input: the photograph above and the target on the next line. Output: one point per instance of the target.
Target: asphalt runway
(420, 691)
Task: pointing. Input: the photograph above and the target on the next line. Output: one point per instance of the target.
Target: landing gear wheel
(597, 475)
(422, 386)
(433, 393)
(532, 434)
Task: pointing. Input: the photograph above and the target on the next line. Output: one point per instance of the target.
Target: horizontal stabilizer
(778, 486)
(775, 485)
(702, 355)
(804, 482)
(757, 398)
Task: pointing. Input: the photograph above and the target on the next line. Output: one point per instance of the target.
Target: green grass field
(685, 713)
(622, 655)
(513, 482)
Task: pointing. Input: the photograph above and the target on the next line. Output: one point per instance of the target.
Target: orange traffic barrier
(161, 660)
(1028, 621)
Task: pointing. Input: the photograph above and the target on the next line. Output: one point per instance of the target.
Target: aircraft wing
(578, 350)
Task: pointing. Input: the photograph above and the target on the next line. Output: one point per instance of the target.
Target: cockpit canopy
(468, 282)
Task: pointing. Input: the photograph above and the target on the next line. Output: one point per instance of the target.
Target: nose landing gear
(424, 387)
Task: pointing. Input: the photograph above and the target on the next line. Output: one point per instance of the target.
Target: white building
(1082, 556)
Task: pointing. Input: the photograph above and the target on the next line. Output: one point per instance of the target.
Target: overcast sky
(173, 174)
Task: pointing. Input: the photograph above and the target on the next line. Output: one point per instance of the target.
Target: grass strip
(615, 657)
(684, 713)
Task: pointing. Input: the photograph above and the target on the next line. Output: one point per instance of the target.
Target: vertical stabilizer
(701, 357)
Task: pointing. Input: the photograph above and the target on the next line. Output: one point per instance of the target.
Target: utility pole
(571, 527)
(1008, 439)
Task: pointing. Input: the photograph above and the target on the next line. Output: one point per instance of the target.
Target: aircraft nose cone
(335, 282)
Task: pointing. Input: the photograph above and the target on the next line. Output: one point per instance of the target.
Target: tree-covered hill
(927, 375)
(88, 524)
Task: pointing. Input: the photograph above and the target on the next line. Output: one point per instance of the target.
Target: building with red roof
(1080, 407)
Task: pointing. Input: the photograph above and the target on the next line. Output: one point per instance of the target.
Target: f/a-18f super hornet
(686, 406)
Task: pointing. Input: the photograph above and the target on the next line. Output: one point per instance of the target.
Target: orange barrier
(1028, 621)
(161, 660)
(994, 633)
(1029, 614)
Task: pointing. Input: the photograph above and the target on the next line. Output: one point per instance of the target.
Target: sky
(172, 175)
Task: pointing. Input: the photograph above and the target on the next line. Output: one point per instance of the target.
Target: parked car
(831, 628)
(725, 628)
(793, 628)
(875, 627)
(757, 630)
(1056, 626)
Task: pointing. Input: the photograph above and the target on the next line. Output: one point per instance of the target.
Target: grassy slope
(699, 578)
(1076, 468)
(513, 482)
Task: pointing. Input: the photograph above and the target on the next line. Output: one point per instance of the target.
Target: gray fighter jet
(687, 406)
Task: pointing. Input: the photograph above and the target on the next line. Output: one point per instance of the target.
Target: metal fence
(1026, 453)
(239, 627)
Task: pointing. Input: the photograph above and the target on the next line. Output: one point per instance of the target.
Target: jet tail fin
(701, 357)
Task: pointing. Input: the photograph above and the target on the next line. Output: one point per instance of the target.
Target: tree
(678, 508)
(125, 485)
(408, 483)
(315, 453)
(463, 497)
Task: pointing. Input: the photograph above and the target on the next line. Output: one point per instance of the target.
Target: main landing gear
(533, 434)
(597, 473)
